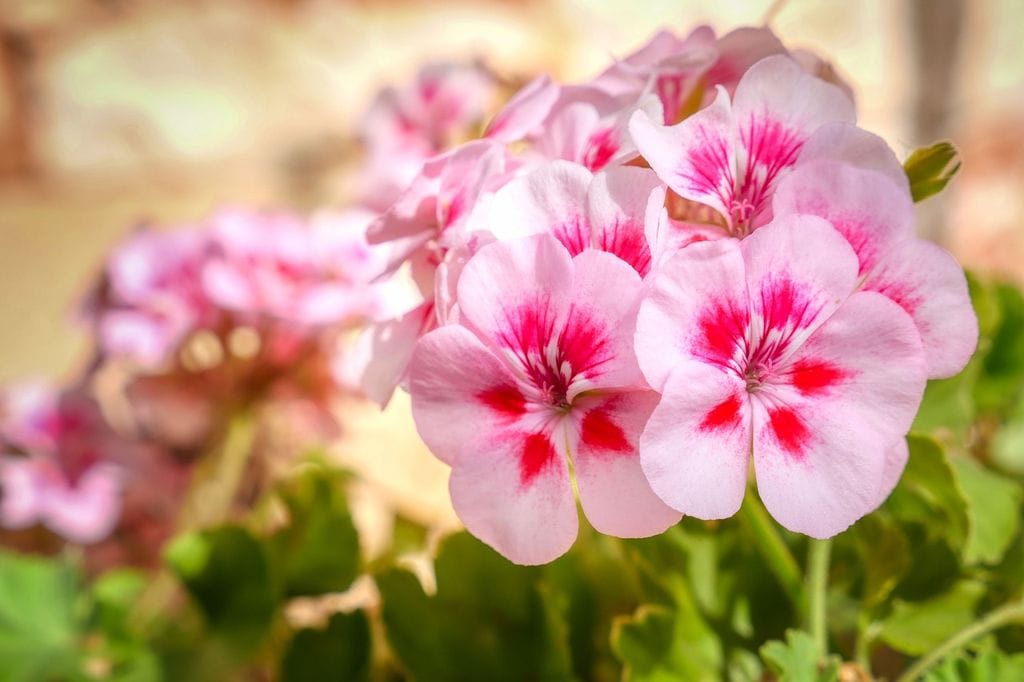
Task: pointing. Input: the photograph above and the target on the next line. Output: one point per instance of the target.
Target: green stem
(215, 483)
(774, 550)
(1004, 615)
(818, 555)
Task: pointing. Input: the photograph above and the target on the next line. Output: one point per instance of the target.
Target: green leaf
(928, 493)
(488, 620)
(39, 630)
(990, 666)
(227, 572)
(929, 169)
(319, 548)
(993, 511)
(671, 640)
(796, 659)
(1000, 384)
(341, 651)
(885, 555)
(114, 594)
(917, 627)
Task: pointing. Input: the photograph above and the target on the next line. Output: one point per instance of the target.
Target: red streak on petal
(790, 431)
(574, 234)
(504, 399)
(816, 377)
(537, 454)
(725, 414)
(601, 433)
(722, 326)
(601, 147)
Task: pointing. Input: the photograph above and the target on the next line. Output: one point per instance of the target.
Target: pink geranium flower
(153, 297)
(539, 370)
(767, 345)
(731, 155)
(63, 479)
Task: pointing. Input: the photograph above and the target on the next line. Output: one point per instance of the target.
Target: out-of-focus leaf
(114, 594)
(948, 409)
(1007, 450)
(671, 640)
(928, 493)
(319, 548)
(796, 659)
(993, 511)
(488, 620)
(39, 630)
(341, 651)
(990, 666)
(885, 555)
(227, 571)
(929, 169)
(592, 585)
(917, 627)
(1000, 385)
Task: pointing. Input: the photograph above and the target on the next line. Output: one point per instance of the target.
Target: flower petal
(695, 308)
(865, 206)
(514, 493)
(549, 200)
(615, 495)
(617, 206)
(459, 405)
(798, 270)
(88, 511)
(927, 282)
(847, 143)
(695, 449)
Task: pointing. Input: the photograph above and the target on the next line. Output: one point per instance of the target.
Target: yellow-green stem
(1004, 615)
(772, 548)
(818, 554)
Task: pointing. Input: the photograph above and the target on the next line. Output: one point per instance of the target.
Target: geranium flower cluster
(635, 286)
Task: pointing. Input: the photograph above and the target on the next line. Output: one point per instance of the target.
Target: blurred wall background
(115, 111)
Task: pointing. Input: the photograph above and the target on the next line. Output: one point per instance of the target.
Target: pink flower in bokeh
(444, 105)
(276, 266)
(767, 345)
(730, 155)
(63, 479)
(153, 297)
(540, 369)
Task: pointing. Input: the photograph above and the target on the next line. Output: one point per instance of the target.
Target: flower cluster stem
(818, 555)
(1004, 615)
(770, 544)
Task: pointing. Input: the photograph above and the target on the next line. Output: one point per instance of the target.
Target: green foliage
(340, 651)
(318, 550)
(918, 627)
(991, 666)
(929, 169)
(488, 620)
(227, 571)
(797, 660)
(40, 625)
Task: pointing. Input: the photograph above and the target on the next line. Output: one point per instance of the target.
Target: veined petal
(823, 428)
(695, 449)
(865, 206)
(615, 495)
(798, 271)
(617, 205)
(462, 395)
(509, 278)
(695, 308)
(514, 493)
(697, 157)
(928, 283)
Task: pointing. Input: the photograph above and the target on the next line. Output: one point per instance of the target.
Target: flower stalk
(773, 549)
(818, 556)
(1004, 615)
